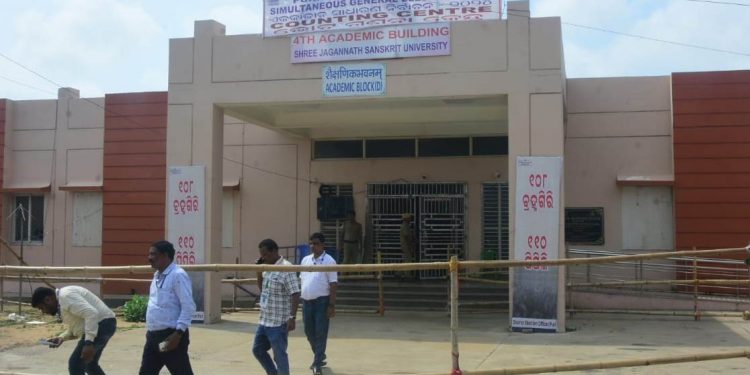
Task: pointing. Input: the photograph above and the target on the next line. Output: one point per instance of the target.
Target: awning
(645, 180)
(231, 185)
(26, 189)
(94, 186)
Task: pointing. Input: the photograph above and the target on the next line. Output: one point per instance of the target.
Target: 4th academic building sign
(379, 43)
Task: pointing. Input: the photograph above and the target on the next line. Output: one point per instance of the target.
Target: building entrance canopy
(381, 117)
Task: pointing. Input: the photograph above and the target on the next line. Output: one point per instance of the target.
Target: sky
(111, 46)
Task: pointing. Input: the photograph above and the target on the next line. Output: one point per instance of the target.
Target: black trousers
(177, 361)
(76, 366)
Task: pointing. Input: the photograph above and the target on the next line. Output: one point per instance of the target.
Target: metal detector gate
(439, 211)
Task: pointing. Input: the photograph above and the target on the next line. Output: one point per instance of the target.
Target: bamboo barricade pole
(2, 283)
(614, 364)
(118, 279)
(483, 281)
(4, 244)
(660, 282)
(234, 286)
(381, 293)
(80, 279)
(456, 369)
(695, 289)
(14, 270)
(690, 313)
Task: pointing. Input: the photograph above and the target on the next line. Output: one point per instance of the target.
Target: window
(647, 221)
(28, 218)
(338, 149)
(495, 218)
(390, 148)
(584, 226)
(489, 146)
(444, 147)
(87, 219)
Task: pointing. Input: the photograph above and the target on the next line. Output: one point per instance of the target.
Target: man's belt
(348, 241)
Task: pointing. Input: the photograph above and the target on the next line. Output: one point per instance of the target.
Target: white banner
(187, 224)
(537, 209)
(288, 17)
(380, 43)
(354, 80)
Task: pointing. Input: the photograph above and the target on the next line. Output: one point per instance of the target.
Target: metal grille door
(331, 228)
(441, 231)
(439, 211)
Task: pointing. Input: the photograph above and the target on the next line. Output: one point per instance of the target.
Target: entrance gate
(439, 211)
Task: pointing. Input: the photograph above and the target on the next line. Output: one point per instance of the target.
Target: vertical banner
(187, 224)
(537, 209)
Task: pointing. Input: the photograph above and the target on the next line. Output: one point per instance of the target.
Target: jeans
(315, 317)
(177, 360)
(275, 338)
(76, 366)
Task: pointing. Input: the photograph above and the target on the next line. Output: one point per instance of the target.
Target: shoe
(317, 371)
(322, 364)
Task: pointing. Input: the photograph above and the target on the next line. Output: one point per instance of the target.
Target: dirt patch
(15, 334)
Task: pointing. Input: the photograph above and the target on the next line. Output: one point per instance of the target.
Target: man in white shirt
(86, 317)
(168, 316)
(318, 300)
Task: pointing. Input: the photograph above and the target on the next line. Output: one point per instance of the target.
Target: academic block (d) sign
(354, 80)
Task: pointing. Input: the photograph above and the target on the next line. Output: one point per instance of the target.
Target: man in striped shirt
(279, 299)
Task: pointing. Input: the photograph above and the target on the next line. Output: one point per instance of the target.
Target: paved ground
(414, 343)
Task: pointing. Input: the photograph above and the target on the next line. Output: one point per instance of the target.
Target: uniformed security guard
(407, 240)
(351, 239)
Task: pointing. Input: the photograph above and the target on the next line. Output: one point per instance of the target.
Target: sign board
(537, 209)
(354, 80)
(379, 43)
(186, 197)
(584, 226)
(289, 17)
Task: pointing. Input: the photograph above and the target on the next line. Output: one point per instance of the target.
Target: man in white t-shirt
(318, 300)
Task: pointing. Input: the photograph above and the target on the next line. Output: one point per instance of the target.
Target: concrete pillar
(195, 137)
(58, 198)
(535, 125)
(519, 135)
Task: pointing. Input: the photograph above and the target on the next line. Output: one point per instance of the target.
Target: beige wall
(615, 127)
(54, 143)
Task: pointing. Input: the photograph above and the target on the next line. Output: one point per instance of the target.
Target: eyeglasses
(315, 243)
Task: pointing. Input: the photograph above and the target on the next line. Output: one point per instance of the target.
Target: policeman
(351, 238)
(407, 240)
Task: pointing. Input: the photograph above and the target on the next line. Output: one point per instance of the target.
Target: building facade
(650, 163)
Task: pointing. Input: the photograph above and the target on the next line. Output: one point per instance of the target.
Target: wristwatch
(293, 317)
(88, 342)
